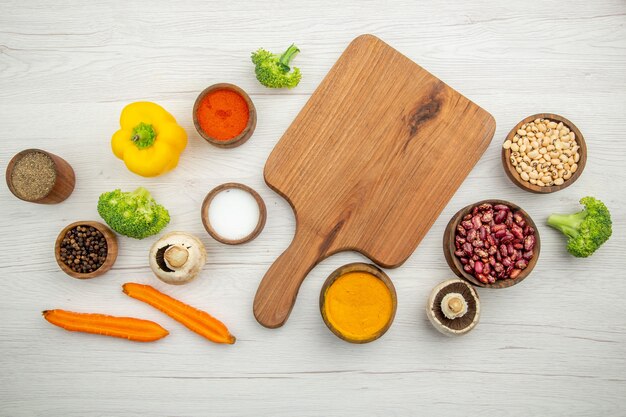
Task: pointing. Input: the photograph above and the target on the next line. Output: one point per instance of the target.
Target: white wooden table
(553, 345)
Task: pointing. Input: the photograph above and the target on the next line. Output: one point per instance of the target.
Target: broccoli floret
(273, 70)
(587, 230)
(133, 214)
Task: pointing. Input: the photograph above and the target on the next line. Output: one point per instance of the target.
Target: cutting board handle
(279, 288)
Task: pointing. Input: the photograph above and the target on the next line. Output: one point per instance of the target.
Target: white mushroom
(177, 257)
(453, 307)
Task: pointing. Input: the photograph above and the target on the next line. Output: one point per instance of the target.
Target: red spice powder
(223, 114)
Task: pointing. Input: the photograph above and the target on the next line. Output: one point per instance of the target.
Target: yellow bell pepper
(149, 140)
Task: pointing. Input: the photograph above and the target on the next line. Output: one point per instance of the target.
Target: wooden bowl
(111, 250)
(510, 171)
(63, 184)
(204, 212)
(456, 265)
(358, 267)
(247, 131)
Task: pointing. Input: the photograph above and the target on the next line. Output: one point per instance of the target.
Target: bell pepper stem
(143, 135)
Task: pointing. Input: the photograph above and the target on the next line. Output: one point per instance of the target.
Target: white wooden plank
(550, 346)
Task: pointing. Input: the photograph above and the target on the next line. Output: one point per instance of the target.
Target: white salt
(234, 213)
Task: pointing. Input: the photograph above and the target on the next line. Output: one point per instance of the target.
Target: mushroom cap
(174, 274)
(459, 325)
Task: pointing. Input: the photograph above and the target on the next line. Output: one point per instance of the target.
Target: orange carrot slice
(195, 320)
(129, 328)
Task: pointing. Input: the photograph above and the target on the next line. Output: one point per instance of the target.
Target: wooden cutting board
(367, 165)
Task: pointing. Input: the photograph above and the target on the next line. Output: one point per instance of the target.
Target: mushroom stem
(453, 305)
(176, 256)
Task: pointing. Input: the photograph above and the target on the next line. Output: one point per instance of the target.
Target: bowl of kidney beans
(492, 243)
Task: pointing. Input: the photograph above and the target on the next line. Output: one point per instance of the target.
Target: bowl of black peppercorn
(86, 249)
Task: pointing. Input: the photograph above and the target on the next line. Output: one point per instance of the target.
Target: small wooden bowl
(456, 265)
(247, 131)
(111, 250)
(358, 267)
(205, 213)
(63, 184)
(514, 176)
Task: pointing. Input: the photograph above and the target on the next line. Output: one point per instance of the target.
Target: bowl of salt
(233, 213)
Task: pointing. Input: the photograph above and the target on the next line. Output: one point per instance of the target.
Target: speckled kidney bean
(482, 232)
(521, 264)
(494, 242)
(509, 219)
(468, 248)
(508, 237)
(476, 222)
(478, 243)
(510, 250)
(517, 231)
(500, 217)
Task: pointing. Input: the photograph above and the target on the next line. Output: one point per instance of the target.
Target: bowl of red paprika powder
(224, 115)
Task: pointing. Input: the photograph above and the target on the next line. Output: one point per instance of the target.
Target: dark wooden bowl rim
(359, 267)
(515, 177)
(205, 213)
(456, 265)
(241, 138)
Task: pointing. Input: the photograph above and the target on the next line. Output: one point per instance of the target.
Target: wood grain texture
(367, 165)
(546, 347)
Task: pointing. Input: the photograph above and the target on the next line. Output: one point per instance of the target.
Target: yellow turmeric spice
(358, 305)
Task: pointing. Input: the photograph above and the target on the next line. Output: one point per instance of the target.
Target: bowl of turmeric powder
(224, 115)
(358, 302)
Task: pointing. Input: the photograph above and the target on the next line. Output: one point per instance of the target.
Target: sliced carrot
(130, 328)
(195, 320)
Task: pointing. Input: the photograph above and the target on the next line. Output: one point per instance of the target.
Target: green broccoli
(273, 71)
(133, 214)
(587, 230)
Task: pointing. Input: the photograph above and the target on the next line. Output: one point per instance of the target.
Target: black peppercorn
(83, 249)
